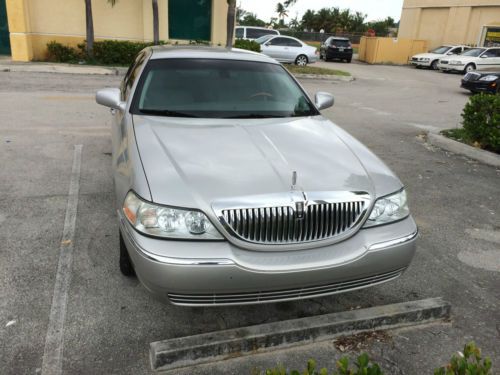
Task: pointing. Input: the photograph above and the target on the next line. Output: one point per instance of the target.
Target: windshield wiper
(165, 112)
(255, 115)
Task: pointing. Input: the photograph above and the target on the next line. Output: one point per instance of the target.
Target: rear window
(340, 43)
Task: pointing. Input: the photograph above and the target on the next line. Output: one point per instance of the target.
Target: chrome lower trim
(227, 299)
(398, 241)
(170, 260)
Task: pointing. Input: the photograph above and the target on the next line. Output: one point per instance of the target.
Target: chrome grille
(281, 295)
(471, 76)
(281, 224)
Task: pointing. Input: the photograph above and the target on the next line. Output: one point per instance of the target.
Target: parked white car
(286, 49)
(253, 32)
(431, 59)
(473, 59)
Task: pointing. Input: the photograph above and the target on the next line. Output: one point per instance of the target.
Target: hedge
(247, 44)
(481, 121)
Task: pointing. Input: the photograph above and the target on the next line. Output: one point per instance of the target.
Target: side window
(239, 32)
(130, 77)
(253, 33)
(497, 52)
(293, 43)
(456, 50)
(489, 53)
(281, 42)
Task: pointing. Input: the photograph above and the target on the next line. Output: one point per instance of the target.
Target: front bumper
(227, 275)
(480, 86)
(425, 64)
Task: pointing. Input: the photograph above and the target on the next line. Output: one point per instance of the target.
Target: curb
(220, 345)
(59, 68)
(456, 147)
(327, 77)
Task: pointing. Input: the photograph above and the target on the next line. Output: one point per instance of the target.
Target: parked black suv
(482, 82)
(336, 48)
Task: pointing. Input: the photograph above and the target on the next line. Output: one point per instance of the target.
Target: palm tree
(231, 15)
(281, 10)
(156, 27)
(89, 25)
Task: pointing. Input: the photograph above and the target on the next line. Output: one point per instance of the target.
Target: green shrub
(247, 44)
(481, 121)
(58, 52)
(467, 363)
(363, 366)
(115, 52)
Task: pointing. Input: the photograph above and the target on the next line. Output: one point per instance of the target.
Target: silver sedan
(286, 49)
(232, 188)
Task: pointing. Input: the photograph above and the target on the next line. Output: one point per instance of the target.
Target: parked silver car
(232, 188)
(287, 49)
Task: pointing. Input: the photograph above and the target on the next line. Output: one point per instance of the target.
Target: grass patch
(460, 135)
(294, 69)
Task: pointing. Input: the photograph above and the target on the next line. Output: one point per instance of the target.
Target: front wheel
(301, 60)
(434, 65)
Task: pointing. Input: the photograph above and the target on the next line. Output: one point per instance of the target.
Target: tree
(156, 23)
(89, 26)
(250, 19)
(282, 13)
(231, 15)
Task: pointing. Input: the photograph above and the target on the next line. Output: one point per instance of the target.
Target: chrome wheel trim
(301, 60)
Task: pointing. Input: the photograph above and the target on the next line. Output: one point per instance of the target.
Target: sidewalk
(7, 65)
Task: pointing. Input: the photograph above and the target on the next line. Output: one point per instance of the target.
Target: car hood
(195, 162)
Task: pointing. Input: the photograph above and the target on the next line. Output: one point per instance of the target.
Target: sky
(375, 9)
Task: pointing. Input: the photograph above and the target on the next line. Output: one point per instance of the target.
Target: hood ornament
(300, 200)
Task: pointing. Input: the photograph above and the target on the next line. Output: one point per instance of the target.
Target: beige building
(33, 23)
(471, 22)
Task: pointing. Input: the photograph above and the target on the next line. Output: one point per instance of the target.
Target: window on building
(190, 19)
(492, 38)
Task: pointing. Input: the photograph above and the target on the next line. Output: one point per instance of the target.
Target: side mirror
(450, 53)
(110, 98)
(483, 56)
(323, 100)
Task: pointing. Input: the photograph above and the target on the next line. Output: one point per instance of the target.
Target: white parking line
(53, 352)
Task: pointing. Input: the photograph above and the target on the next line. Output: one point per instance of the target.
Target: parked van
(253, 32)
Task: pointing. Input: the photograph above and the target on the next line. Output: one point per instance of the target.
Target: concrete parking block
(220, 345)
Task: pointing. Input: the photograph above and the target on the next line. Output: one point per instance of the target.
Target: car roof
(206, 52)
(257, 27)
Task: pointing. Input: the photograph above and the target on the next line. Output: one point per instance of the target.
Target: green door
(189, 19)
(4, 30)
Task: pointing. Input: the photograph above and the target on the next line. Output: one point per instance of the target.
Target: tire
(434, 65)
(349, 60)
(301, 60)
(469, 68)
(126, 266)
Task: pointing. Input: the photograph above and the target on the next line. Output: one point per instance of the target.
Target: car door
(295, 49)
(489, 59)
(277, 48)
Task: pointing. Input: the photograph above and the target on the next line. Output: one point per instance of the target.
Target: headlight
(488, 78)
(168, 222)
(455, 62)
(393, 207)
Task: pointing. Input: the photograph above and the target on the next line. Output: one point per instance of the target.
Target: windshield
(475, 52)
(441, 50)
(210, 88)
(264, 38)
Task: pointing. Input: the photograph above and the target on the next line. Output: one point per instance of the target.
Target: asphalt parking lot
(111, 320)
